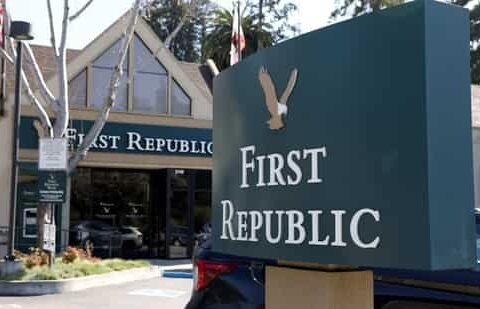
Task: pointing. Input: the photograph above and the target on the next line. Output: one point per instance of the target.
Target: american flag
(238, 38)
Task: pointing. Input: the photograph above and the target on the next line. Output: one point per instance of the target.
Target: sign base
(288, 288)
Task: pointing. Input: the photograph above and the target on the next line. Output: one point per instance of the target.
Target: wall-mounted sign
(130, 138)
(52, 154)
(52, 186)
(352, 145)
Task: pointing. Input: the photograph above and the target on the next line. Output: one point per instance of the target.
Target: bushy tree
(166, 15)
(474, 7)
(264, 23)
(359, 7)
(218, 40)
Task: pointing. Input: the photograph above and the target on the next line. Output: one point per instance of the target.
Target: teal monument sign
(351, 145)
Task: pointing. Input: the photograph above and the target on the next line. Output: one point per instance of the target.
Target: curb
(178, 274)
(44, 287)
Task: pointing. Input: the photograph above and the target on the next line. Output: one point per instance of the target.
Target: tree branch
(79, 12)
(62, 115)
(188, 14)
(42, 114)
(171, 36)
(42, 85)
(52, 29)
(113, 87)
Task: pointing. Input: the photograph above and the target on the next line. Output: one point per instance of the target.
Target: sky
(311, 15)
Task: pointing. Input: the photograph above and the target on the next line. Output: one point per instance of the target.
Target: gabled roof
(46, 62)
(195, 79)
(199, 75)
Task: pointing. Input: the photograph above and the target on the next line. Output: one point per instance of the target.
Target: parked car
(226, 282)
(105, 239)
(179, 235)
(131, 237)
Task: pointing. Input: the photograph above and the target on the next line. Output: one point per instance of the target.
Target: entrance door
(179, 212)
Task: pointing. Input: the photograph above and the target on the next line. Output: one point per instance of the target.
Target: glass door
(179, 238)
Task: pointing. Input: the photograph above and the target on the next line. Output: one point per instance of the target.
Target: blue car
(227, 282)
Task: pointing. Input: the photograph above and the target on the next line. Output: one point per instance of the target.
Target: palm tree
(217, 43)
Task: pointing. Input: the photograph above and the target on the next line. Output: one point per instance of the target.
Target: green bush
(75, 269)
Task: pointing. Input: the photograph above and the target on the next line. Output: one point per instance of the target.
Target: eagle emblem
(275, 107)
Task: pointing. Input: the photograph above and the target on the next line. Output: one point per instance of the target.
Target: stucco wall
(476, 164)
(5, 166)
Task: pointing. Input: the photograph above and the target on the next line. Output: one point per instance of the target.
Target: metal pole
(3, 63)
(15, 142)
(239, 48)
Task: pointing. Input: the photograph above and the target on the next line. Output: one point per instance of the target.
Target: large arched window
(145, 87)
(102, 70)
(180, 101)
(77, 94)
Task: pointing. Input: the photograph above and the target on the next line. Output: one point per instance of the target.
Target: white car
(131, 236)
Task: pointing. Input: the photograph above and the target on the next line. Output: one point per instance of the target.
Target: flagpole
(239, 48)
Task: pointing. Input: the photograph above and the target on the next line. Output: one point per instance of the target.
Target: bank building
(144, 189)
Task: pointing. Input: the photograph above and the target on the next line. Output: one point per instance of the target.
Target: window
(145, 86)
(181, 103)
(150, 81)
(77, 92)
(102, 70)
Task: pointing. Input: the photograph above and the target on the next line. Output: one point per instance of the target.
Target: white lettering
(354, 228)
(276, 166)
(242, 225)
(210, 148)
(184, 146)
(315, 230)
(134, 140)
(294, 167)
(295, 221)
(149, 144)
(160, 144)
(246, 165)
(114, 140)
(314, 159)
(338, 228)
(256, 221)
(169, 145)
(227, 220)
(268, 225)
(261, 180)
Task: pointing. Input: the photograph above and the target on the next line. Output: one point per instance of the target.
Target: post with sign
(345, 150)
(52, 187)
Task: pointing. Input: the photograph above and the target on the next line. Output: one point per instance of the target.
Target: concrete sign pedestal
(298, 288)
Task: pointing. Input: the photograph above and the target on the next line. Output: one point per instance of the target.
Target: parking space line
(158, 293)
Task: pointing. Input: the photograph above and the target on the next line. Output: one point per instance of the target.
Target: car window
(100, 226)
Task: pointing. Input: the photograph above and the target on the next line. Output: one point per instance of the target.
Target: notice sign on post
(350, 145)
(49, 234)
(52, 154)
(52, 186)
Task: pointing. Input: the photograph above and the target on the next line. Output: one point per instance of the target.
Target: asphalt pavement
(165, 293)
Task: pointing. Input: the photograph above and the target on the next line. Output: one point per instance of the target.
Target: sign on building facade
(352, 145)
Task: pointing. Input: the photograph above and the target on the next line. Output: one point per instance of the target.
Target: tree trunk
(260, 25)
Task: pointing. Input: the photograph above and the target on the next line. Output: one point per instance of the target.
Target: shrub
(73, 254)
(34, 258)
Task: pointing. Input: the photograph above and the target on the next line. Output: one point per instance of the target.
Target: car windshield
(100, 226)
